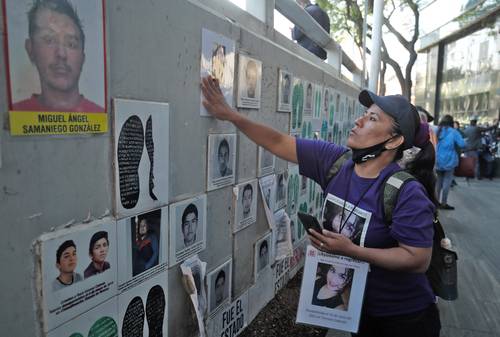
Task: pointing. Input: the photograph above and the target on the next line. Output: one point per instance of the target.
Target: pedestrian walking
(449, 140)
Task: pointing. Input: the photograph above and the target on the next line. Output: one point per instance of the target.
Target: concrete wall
(153, 53)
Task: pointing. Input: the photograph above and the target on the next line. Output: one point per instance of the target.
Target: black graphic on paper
(155, 311)
(150, 147)
(129, 152)
(133, 321)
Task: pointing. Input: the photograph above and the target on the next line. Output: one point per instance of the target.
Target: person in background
(473, 135)
(456, 126)
(446, 158)
(322, 18)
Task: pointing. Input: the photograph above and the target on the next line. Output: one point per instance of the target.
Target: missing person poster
(281, 189)
(284, 91)
(56, 71)
(76, 270)
(194, 273)
(232, 320)
(297, 105)
(245, 204)
(282, 235)
(332, 291)
(219, 283)
(268, 193)
(142, 247)
(188, 228)
(101, 321)
(249, 82)
(141, 155)
(143, 310)
(355, 222)
(265, 163)
(217, 60)
(221, 160)
(263, 255)
(309, 99)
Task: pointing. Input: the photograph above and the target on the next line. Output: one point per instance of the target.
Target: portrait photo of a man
(249, 82)
(219, 286)
(187, 228)
(221, 160)
(189, 224)
(262, 252)
(284, 91)
(56, 56)
(245, 205)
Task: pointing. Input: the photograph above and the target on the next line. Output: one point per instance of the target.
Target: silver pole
(378, 11)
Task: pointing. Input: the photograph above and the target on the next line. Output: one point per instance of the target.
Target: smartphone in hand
(310, 222)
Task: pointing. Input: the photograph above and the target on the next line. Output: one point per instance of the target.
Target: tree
(346, 17)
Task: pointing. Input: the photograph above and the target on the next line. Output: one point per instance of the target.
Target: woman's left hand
(331, 242)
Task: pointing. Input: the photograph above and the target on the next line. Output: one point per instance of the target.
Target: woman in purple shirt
(398, 300)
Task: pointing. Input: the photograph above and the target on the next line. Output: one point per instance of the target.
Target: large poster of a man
(56, 66)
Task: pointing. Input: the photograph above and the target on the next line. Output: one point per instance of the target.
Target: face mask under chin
(362, 155)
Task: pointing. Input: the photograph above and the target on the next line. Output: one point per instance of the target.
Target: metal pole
(365, 31)
(378, 11)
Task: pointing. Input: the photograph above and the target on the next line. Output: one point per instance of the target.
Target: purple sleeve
(413, 216)
(316, 157)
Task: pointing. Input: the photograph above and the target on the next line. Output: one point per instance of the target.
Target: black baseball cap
(399, 108)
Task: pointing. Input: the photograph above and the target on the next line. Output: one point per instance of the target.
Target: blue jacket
(446, 153)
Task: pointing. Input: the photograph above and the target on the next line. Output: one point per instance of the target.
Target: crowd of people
(451, 142)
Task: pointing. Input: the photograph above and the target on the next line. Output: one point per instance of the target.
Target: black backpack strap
(392, 186)
(335, 168)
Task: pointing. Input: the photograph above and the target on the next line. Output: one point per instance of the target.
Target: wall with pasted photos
(153, 54)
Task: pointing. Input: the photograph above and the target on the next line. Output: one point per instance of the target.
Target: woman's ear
(395, 142)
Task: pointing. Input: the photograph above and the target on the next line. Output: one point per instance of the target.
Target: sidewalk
(474, 230)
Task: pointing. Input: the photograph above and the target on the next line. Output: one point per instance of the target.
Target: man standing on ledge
(322, 18)
(56, 47)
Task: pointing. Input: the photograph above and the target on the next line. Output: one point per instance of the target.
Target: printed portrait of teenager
(281, 186)
(98, 252)
(66, 262)
(187, 228)
(347, 223)
(309, 92)
(219, 286)
(224, 166)
(263, 248)
(56, 55)
(286, 87)
(73, 262)
(146, 232)
(284, 91)
(251, 77)
(326, 104)
(221, 160)
(246, 205)
(332, 287)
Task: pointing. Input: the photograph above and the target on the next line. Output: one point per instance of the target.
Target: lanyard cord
(342, 222)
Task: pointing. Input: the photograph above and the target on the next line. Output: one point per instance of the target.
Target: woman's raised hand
(214, 101)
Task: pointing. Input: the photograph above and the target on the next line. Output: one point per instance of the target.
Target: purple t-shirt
(387, 292)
